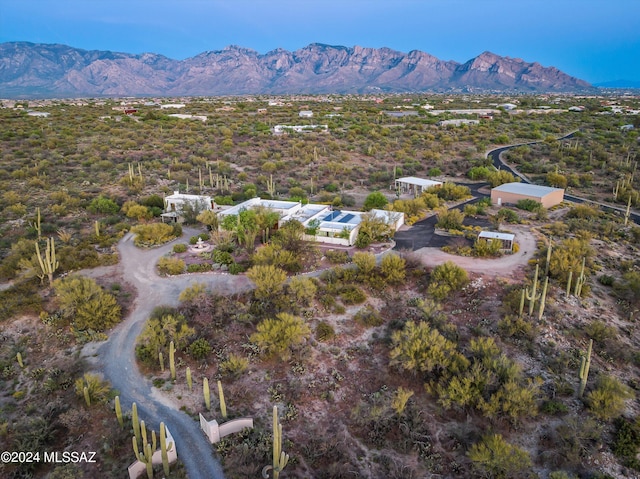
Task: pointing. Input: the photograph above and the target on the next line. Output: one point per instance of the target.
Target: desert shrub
(163, 326)
(446, 278)
(20, 298)
(419, 348)
(269, 281)
(352, 295)
(449, 191)
(324, 331)
(179, 248)
(236, 268)
(606, 280)
(600, 331)
(608, 398)
(170, 266)
(368, 317)
(449, 219)
(500, 177)
(553, 407)
(528, 204)
(375, 200)
(154, 234)
(84, 302)
(199, 268)
(483, 248)
(103, 205)
(222, 257)
(302, 290)
(278, 336)
(337, 256)
(233, 366)
(199, 349)
(393, 268)
(514, 327)
(97, 389)
(508, 216)
(494, 457)
(626, 442)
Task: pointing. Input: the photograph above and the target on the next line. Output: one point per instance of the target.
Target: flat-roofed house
(511, 193)
(174, 205)
(416, 186)
(506, 239)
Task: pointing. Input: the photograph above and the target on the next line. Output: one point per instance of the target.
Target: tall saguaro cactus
(118, 408)
(48, 263)
(189, 379)
(280, 458)
(172, 360)
(223, 404)
(532, 295)
(543, 298)
(135, 422)
(580, 280)
(584, 369)
(164, 449)
(207, 393)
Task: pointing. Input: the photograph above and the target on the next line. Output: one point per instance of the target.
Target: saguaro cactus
(207, 393)
(48, 264)
(569, 283)
(189, 379)
(543, 298)
(19, 359)
(119, 412)
(522, 298)
(223, 404)
(36, 225)
(548, 263)
(280, 458)
(164, 449)
(135, 422)
(161, 360)
(531, 295)
(145, 456)
(580, 280)
(172, 360)
(585, 364)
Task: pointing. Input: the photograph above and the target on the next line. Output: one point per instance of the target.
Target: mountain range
(29, 70)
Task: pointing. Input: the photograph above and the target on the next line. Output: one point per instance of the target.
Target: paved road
(496, 158)
(116, 357)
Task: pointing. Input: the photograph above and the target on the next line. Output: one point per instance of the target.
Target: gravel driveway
(115, 358)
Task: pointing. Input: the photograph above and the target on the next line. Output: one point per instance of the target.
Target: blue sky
(596, 40)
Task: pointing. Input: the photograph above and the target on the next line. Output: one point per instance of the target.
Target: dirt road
(505, 266)
(115, 358)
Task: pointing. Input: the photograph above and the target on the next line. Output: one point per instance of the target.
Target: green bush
(199, 349)
(368, 316)
(198, 268)
(352, 295)
(170, 266)
(155, 233)
(278, 336)
(494, 457)
(446, 278)
(236, 268)
(337, 256)
(324, 331)
(179, 248)
(528, 204)
(103, 205)
(222, 257)
(607, 400)
(233, 366)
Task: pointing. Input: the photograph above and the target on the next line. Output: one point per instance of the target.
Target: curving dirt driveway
(504, 266)
(115, 358)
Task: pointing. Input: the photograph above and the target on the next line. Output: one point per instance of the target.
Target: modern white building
(322, 223)
(175, 203)
(414, 185)
(305, 114)
(281, 129)
(458, 122)
(507, 239)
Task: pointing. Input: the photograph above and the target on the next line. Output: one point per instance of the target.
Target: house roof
(537, 191)
(496, 235)
(412, 180)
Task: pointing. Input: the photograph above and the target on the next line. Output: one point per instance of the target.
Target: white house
(323, 224)
(507, 239)
(458, 122)
(414, 185)
(175, 203)
(305, 114)
(172, 105)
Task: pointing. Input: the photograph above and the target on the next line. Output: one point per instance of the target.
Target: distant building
(511, 193)
(174, 205)
(184, 116)
(400, 114)
(415, 186)
(305, 114)
(281, 129)
(458, 122)
(172, 105)
(40, 114)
